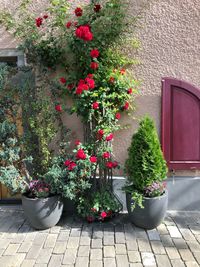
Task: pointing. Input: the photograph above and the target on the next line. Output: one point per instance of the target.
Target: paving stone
(163, 261)
(86, 231)
(19, 238)
(99, 263)
(97, 233)
(12, 261)
(55, 229)
(55, 261)
(60, 247)
(120, 249)
(131, 245)
(40, 265)
(195, 229)
(108, 240)
(144, 245)
(172, 253)
(30, 236)
(108, 262)
(84, 251)
(44, 255)
(28, 263)
(122, 261)
(85, 241)
(135, 265)
(129, 232)
(167, 241)
(70, 256)
(134, 256)
(82, 262)
(40, 238)
(108, 230)
(194, 246)
(180, 243)
(25, 246)
(157, 247)
(73, 242)
(96, 254)
(153, 235)
(169, 221)
(75, 232)
(177, 263)
(96, 243)
(33, 252)
(192, 264)
(109, 251)
(174, 232)
(148, 259)
(187, 234)
(162, 229)
(197, 257)
(11, 249)
(186, 255)
(140, 233)
(50, 241)
(63, 236)
(119, 237)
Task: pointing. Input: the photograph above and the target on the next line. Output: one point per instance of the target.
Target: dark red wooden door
(180, 135)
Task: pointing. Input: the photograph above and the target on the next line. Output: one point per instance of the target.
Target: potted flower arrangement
(146, 193)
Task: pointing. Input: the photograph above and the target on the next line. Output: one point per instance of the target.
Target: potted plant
(146, 194)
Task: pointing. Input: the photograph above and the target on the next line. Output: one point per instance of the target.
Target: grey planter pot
(42, 213)
(151, 215)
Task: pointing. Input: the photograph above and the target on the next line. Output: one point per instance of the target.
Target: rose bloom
(90, 219)
(106, 155)
(97, 7)
(81, 81)
(80, 154)
(103, 214)
(130, 91)
(63, 80)
(90, 76)
(95, 105)
(77, 142)
(78, 12)
(112, 79)
(71, 166)
(93, 159)
(118, 116)
(79, 90)
(94, 65)
(109, 164)
(94, 53)
(115, 164)
(109, 137)
(83, 32)
(45, 16)
(58, 108)
(90, 83)
(67, 162)
(126, 106)
(70, 86)
(122, 71)
(68, 24)
(38, 21)
(101, 132)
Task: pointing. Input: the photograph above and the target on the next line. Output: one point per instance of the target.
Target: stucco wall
(169, 32)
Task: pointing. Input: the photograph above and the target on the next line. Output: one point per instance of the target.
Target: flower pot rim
(161, 196)
(39, 198)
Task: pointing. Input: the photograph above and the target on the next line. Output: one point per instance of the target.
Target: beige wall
(169, 31)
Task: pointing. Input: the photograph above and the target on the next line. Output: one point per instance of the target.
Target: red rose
(112, 79)
(81, 81)
(78, 12)
(70, 86)
(71, 166)
(90, 219)
(97, 7)
(109, 164)
(122, 71)
(118, 116)
(85, 87)
(93, 159)
(38, 21)
(109, 213)
(79, 90)
(130, 91)
(90, 76)
(45, 16)
(83, 32)
(67, 162)
(95, 105)
(58, 108)
(100, 134)
(90, 82)
(126, 106)
(80, 154)
(94, 65)
(88, 36)
(68, 24)
(94, 53)
(106, 155)
(109, 137)
(114, 164)
(103, 214)
(63, 80)
(77, 142)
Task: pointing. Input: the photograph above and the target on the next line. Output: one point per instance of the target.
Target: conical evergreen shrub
(145, 164)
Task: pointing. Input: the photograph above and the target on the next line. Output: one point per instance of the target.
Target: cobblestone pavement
(175, 243)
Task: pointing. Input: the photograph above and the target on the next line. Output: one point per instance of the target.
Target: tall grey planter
(42, 213)
(151, 215)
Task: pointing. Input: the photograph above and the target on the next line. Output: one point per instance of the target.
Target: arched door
(180, 136)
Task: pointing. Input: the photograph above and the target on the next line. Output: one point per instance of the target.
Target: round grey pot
(152, 214)
(42, 213)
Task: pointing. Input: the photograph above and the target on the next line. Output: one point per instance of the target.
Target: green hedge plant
(145, 166)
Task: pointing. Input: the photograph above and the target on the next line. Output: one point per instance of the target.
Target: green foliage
(145, 164)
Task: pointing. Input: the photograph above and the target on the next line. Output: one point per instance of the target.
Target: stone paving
(176, 242)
